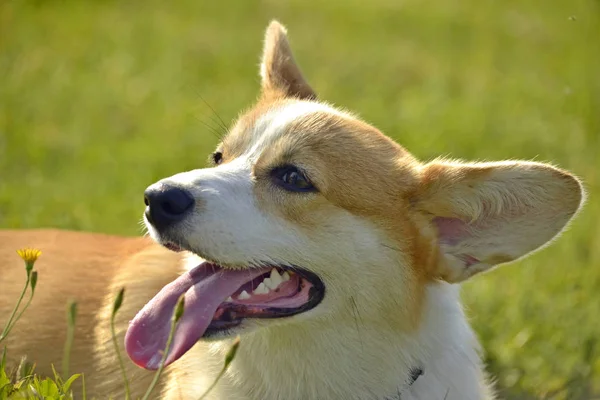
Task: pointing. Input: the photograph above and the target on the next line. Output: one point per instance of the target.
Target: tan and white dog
(329, 248)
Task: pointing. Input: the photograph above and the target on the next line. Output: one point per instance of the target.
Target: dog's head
(307, 212)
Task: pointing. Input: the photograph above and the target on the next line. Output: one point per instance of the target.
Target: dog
(331, 251)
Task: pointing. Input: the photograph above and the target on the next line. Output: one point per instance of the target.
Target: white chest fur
(320, 361)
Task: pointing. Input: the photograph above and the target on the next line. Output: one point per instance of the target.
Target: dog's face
(309, 214)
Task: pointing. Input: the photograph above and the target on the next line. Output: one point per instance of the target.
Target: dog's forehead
(263, 126)
(275, 122)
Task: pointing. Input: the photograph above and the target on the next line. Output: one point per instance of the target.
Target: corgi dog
(331, 251)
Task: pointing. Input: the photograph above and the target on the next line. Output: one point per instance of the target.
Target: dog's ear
(486, 214)
(280, 74)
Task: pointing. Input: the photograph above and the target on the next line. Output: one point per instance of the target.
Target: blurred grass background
(98, 99)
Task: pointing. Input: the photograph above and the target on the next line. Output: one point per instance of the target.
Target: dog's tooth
(261, 289)
(229, 299)
(244, 296)
(268, 283)
(275, 278)
(285, 276)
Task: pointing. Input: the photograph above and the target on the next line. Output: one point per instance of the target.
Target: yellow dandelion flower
(29, 255)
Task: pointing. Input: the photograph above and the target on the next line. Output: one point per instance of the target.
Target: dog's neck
(333, 361)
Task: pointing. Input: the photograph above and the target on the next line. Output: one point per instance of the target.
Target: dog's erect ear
(490, 213)
(279, 72)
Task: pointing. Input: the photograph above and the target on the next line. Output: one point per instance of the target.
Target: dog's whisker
(356, 316)
(219, 119)
(218, 134)
(391, 247)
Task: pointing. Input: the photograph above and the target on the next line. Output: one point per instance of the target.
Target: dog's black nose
(166, 205)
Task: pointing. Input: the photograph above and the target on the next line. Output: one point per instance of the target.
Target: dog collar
(415, 373)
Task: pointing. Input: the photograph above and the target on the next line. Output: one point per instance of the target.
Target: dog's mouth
(217, 299)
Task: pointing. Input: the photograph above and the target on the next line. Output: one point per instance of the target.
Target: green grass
(98, 99)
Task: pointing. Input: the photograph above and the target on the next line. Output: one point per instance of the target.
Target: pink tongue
(205, 289)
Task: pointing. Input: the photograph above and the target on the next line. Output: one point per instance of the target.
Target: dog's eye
(292, 179)
(217, 157)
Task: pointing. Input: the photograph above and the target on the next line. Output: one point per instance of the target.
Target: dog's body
(92, 268)
(370, 241)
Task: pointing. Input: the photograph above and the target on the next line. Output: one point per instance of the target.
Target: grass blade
(176, 317)
(116, 306)
(228, 359)
(71, 317)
